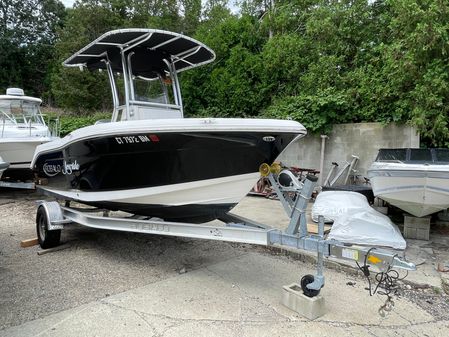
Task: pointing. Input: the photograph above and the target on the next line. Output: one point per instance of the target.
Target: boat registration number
(132, 139)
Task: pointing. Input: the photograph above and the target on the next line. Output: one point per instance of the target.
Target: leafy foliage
(27, 37)
(72, 89)
(69, 123)
(317, 61)
(310, 109)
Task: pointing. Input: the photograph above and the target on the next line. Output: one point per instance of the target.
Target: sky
(68, 3)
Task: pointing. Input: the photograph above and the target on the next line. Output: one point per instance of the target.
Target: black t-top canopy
(149, 47)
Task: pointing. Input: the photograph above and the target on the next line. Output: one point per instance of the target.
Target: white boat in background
(22, 129)
(414, 180)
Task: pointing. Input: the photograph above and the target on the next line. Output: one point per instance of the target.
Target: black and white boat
(149, 160)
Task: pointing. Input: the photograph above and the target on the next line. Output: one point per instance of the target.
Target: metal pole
(323, 146)
(114, 91)
(130, 76)
(298, 218)
(125, 81)
(351, 168)
(177, 87)
(318, 281)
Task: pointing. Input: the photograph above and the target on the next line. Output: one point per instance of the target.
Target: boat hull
(197, 201)
(416, 189)
(18, 153)
(195, 175)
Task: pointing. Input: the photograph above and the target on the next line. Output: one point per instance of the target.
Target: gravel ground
(435, 303)
(97, 263)
(100, 263)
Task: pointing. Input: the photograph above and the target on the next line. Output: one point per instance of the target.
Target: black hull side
(148, 160)
(135, 161)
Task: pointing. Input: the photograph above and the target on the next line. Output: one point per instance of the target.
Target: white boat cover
(332, 204)
(367, 227)
(355, 221)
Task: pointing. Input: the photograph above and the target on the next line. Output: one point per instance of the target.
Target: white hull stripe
(411, 187)
(211, 191)
(409, 174)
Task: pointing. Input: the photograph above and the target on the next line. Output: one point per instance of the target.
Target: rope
(386, 284)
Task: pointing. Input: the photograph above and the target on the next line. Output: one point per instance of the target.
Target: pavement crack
(256, 299)
(154, 330)
(178, 319)
(403, 317)
(370, 332)
(371, 325)
(142, 317)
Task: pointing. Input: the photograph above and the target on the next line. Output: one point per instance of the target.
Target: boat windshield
(392, 155)
(414, 156)
(119, 87)
(157, 90)
(420, 155)
(442, 155)
(20, 112)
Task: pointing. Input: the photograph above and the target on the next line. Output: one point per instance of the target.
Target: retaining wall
(360, 139)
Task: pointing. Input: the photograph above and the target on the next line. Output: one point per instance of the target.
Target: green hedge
(68, 123)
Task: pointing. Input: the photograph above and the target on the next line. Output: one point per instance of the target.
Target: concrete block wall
(360, 139)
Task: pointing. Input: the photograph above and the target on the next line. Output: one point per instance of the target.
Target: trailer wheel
(46, 238)
(305, 280)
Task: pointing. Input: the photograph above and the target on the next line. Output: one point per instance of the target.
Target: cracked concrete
(236, 297)
(124, 284)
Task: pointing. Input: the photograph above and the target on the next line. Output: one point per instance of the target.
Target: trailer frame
(294, 195)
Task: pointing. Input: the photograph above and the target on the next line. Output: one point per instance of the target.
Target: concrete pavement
(236, 297)
(228, 289)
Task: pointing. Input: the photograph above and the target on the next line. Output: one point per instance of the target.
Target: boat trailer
(13, 184)
(294, 195)
(18, 185)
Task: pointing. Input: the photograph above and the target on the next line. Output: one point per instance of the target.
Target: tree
(418, 60)
(191, 13)
(319, 61)
(83, 91)
(231, 86)
(89, 19)
(27, 34)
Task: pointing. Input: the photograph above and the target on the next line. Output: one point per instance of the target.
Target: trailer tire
(305, 280)
(46, 238)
